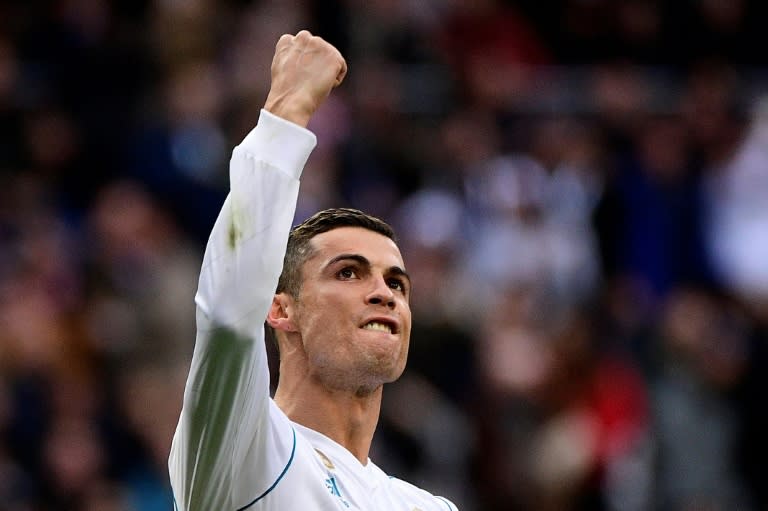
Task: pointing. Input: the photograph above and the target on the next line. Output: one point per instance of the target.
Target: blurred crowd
(581, 193)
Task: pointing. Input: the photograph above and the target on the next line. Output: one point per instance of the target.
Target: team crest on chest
(325, 459)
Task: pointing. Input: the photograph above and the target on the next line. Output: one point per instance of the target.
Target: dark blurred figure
(654, 220)
(704, 345)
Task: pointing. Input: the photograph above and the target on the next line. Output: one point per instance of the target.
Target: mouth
(381, 325)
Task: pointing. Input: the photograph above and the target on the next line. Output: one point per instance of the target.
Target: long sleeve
(231, 442)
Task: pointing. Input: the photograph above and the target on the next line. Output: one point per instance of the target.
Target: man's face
(352, 312)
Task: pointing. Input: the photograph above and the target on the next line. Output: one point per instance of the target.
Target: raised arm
(228, 447)
(304, 70)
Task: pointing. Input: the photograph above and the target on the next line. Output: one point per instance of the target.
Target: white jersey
(234, 449)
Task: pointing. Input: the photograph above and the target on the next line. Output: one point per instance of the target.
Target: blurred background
(581, 193)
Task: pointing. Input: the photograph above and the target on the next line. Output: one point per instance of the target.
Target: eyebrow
(363, 261)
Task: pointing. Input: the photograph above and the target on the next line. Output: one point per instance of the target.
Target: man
(340, 315)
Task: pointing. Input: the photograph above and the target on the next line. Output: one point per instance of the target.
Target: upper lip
(394, 325)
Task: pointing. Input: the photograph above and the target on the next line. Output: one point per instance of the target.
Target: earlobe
(280, 316)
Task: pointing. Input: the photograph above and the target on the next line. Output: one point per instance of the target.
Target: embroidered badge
(325, 459)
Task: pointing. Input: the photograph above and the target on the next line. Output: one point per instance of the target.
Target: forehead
(356, 240)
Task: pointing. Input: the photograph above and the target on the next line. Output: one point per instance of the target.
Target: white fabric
(234, 449)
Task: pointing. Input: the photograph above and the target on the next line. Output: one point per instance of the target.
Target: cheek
(406, 315)
(318, 318)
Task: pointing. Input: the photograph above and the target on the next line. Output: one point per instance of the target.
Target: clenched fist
(304, 70)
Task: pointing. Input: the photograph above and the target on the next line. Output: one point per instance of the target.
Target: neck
(347, 417)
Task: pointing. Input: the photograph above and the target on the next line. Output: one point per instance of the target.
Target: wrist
(289, 108)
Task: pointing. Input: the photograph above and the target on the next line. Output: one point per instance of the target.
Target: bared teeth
(381, 327)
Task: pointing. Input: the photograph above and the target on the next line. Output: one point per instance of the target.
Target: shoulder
(422, 497)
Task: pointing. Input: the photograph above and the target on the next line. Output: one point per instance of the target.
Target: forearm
(245, 252)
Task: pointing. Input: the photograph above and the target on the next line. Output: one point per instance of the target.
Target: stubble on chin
(362, 378)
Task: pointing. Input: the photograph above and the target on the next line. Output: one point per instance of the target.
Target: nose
(381, 294)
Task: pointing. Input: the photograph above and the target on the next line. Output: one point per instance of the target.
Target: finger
(284, 41)
(304, 35)
(342, 72)
(342, 68)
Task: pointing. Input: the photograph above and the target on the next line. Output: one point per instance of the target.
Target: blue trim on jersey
(450, 507)
(290, 460)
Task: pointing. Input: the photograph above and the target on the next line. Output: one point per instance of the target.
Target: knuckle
(317, 42)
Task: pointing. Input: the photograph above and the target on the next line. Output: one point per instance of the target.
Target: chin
(374, 370)
(389, 370)
(372, 382)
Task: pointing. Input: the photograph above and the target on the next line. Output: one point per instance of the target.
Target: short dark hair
(299, 248)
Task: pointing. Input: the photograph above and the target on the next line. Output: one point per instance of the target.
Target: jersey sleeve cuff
(281, 143)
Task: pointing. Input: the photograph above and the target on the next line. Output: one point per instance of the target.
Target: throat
(348, 419)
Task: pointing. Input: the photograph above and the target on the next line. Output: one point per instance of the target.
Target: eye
(396, 284)
(347, 273)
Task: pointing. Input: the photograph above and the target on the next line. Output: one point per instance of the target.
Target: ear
(280, 316)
